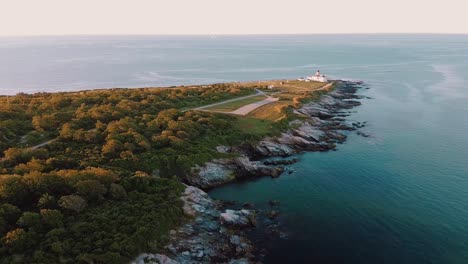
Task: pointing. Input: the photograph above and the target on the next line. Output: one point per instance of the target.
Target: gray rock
(307, 131)
(241, 218)
(273, 214)
(235, 240)
(153, 259)
(204, 240)
(223, 149)
(269, 147)
(248, 168)
(213, 173)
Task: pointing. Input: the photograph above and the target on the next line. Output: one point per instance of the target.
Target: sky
(113, 17)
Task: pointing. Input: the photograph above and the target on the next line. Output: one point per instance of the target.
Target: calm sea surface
(399, 196)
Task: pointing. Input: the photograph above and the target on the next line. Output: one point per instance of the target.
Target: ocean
(398, 196)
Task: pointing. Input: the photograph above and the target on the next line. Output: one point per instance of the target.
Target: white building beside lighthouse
(317, 77)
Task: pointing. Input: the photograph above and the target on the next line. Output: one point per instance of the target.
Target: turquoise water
(399, 196)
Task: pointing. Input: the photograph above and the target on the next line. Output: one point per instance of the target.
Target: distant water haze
(36, 64)
(398, 196)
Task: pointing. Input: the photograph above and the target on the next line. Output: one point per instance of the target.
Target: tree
(19, 241)
(67, 131)
(44, 123)
(13, 190)
(30, 220)
(112, 148)
(92, 190)
(33, 165)
(17, 155)
(73, 203)
(10, 213)
(47, 201)
(117, 192)
(52, 218)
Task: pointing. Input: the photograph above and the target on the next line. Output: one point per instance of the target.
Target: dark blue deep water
(399, 196)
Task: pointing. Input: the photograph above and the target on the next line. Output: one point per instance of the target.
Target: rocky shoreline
(217, 234)
(320, 128)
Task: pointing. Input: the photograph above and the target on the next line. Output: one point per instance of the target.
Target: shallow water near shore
(398, 196)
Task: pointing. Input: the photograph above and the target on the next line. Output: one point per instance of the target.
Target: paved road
(244, 110)
(258, 92)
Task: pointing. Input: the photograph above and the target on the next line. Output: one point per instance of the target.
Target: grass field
(273, 111)
(231, 106)
(286, 85)
(255, 126)
(289, 92)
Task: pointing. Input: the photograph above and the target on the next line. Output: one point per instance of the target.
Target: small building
(271, 86)
(317, 77)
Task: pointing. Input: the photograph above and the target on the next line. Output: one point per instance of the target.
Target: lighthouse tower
(317, 77)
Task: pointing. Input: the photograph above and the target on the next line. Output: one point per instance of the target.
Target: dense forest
(105, 187)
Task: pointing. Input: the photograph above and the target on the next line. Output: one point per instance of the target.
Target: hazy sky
(59, 17)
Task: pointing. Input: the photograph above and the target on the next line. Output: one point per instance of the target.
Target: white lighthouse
(317, 77)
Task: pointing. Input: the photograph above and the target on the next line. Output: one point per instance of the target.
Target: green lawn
(231, 106)
(254, 126)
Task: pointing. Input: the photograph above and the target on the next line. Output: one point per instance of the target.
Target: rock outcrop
(241, 218)
(220, 171)
(212, 237)
(213, 173)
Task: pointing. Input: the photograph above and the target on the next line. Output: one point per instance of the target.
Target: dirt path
(43, 144)
(52, 140)
(326, 86)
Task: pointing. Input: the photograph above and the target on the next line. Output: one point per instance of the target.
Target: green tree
(19, 241)
(47, 201)
(30, 220)
(73, 203)
(52, 218)
(117, 192)
(45, 123)
(91, 190)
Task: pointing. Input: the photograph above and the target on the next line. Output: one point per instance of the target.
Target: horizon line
(235, 34)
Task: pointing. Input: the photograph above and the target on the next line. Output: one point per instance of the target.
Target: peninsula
(101, 176)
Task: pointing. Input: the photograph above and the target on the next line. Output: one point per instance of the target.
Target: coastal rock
(280, 162)
(273, 214)
(215, 172)
(293, 141)
(310, 132)
(248, 168)
(153, 259)
(248, 205)
(268, 147)
(195, 200)
(241, 218)
(205, 239)
(223, 149)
